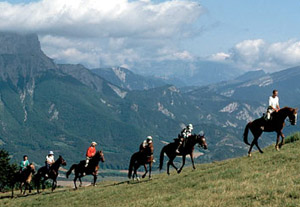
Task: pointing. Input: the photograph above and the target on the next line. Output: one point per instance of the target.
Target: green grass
(269, 179)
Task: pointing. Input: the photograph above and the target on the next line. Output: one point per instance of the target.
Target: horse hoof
(249, 154)
(277, 148)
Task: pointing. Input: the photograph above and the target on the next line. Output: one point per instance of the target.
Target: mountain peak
(21, 57)
(13, 43)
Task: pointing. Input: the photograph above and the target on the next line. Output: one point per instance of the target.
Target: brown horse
(92, 169)
(275, 124)
(143, 157)
(24, 178)
(170, 150)
(52, 174)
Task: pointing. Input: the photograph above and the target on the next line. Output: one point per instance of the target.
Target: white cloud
(102, 31)
(258, 54)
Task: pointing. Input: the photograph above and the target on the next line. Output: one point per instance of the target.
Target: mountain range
(63, 107)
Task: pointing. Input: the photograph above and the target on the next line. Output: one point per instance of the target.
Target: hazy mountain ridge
(128, 80)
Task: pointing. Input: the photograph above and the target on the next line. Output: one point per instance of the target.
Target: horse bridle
(293, 121)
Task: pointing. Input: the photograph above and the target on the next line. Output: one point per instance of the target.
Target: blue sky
(252, 34)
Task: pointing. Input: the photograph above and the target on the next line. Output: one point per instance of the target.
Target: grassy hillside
(269, 179)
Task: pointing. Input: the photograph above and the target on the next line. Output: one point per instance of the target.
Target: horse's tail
(132, 160)
(71, 169)
(161, 158)
(246, 133)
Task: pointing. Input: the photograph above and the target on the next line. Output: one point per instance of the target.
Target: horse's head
(101, 155)
(62, 161)
(31, 167)
(202, 141)
(293, 116)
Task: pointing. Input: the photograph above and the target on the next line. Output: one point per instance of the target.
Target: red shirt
(91, 151)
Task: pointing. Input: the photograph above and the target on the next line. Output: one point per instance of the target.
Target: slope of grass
(269, 179)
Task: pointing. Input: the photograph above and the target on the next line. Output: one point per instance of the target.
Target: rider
(91, 151)
(49, 161)
(24, 163)
(185, 133)
(145, 144)
(273, 106)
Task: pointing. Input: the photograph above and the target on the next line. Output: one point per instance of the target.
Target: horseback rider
(91, 151)
(273, 106)
(185, 133)
(24, 163)
(145, 147)
(49, 161)
(145, 143)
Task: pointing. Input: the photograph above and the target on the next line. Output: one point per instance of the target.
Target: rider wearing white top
(185, 133)
(49, 161)
(273, 104)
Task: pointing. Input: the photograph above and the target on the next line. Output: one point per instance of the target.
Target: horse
(275, 124)
(170, 150)
(142, 157)
(52, 174)
(92, 169)
(24, 178)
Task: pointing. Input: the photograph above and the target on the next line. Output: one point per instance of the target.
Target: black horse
(24, 178)
(52, 174)
(92, 169)
(276, 124)
(187, 149)
(143, 157)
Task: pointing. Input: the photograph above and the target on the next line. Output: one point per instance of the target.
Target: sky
(250, 34)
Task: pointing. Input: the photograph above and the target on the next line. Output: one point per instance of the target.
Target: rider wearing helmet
(91, 151)
(185, 133)
(49, 161)
(146, 143)
(145, 147)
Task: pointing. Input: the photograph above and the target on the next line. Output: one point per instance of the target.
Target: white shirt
(50, 159)
(274, 102)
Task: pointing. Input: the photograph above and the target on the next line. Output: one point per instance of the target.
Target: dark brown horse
(24, 178)
(170, 150)
(52, 174)
(276, 124)
(92, 169)
(143, 157)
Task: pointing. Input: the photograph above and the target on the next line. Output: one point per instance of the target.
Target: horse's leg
(21, 187)
(95, 179)
(251, 145)
(80, 181)
(192, 158)
(282, 139)
(150, 168)
(75, 179)
(25, 187)
(183, 163)
(146, 171)
(277, 141)
(54, 183)
(135, 172)
(170, 162)
(43, 184)
(256, 144)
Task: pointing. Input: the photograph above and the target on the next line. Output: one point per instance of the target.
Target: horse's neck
(56, 165)
(282, 114)
(191, 141)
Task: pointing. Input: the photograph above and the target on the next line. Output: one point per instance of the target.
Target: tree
(6, 170)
